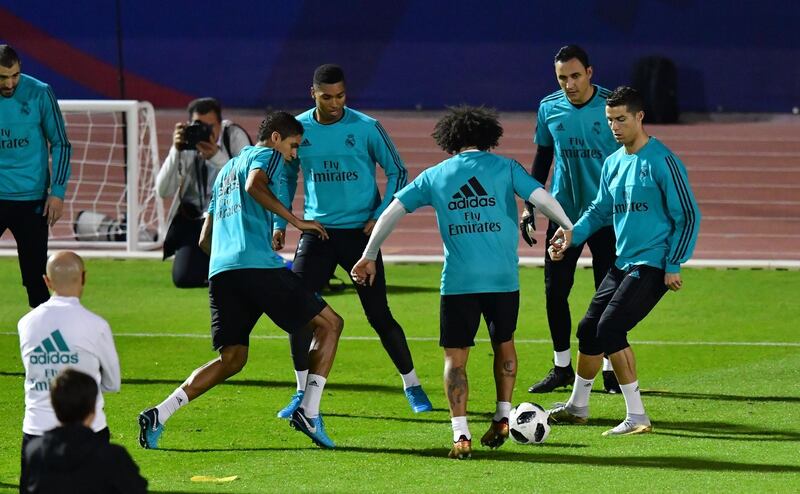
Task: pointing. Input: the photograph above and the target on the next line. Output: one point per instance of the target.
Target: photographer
(200, 148)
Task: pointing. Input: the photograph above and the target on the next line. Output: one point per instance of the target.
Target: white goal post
(110, 201)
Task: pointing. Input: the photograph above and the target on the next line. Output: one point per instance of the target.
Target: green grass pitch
(719, 365)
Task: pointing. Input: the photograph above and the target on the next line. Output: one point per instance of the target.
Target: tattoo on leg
(456, 385)
(510, 368)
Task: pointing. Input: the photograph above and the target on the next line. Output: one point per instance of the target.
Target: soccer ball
(527, 424)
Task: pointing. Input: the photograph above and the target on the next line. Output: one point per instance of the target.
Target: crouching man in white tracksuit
(61, 333)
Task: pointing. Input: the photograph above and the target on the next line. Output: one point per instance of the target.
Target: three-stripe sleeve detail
(688, 211)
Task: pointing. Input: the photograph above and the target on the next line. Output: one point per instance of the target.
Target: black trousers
(560, 276)
(315, 261)
(104, 434)
(190, 267)
(25, 221)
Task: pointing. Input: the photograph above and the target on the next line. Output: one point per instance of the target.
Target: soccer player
(31, 197)
(70, 458)
(247, 279)
(473, 196)
(61, 333)
(645, 192)
(337, 157)
(570, 128)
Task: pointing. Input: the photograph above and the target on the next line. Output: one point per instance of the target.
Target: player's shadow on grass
(709, 430)
(545, 455)
(548, 457)
(724, 431)
(720, 397)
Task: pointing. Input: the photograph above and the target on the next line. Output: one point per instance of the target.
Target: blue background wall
(401, 54)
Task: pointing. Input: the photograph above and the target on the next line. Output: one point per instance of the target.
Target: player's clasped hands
(363, 272)
(560, 242)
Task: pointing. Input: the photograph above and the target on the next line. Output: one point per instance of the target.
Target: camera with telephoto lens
(195, 132)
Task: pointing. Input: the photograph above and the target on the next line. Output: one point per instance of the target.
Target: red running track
(745, 175)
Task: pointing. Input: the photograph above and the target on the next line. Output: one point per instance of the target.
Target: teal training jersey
(338, 162)
(242, 230)
(648, 197)
(29, 120)
(473, 196)
(581, 140)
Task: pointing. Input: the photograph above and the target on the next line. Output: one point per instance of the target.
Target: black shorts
(621, 301)
(460, 316)
(237, 299)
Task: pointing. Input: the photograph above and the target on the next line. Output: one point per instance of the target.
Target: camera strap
(226, 137)
(201, 176)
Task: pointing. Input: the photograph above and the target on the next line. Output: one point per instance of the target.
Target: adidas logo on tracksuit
(53, 350)
(471, 195)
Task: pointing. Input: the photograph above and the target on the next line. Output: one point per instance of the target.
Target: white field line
(482, 340)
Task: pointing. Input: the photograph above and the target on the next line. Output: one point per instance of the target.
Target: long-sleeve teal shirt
(648, 198)
(338, 162)
(29, 121)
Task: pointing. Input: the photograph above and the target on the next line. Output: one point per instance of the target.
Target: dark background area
(741, 56)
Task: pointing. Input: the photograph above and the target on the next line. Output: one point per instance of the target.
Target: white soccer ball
(527, 424)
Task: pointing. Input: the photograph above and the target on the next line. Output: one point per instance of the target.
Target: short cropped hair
(468, 126)
(281, 122)
(73, 395)
(201, 106)
(569, 52)
(625, 95)
(328, 74)
(8, 57)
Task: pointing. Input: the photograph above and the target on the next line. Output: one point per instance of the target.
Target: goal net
(110, 200)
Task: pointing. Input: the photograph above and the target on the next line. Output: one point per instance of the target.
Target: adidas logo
(305, 142)
(560, 127)
(634, 274)
(471, 195)
(53, 350)
(313, 383)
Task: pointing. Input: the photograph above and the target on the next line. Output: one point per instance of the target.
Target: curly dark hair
(468, 126)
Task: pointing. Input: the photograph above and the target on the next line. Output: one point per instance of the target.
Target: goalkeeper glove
(527, 225)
